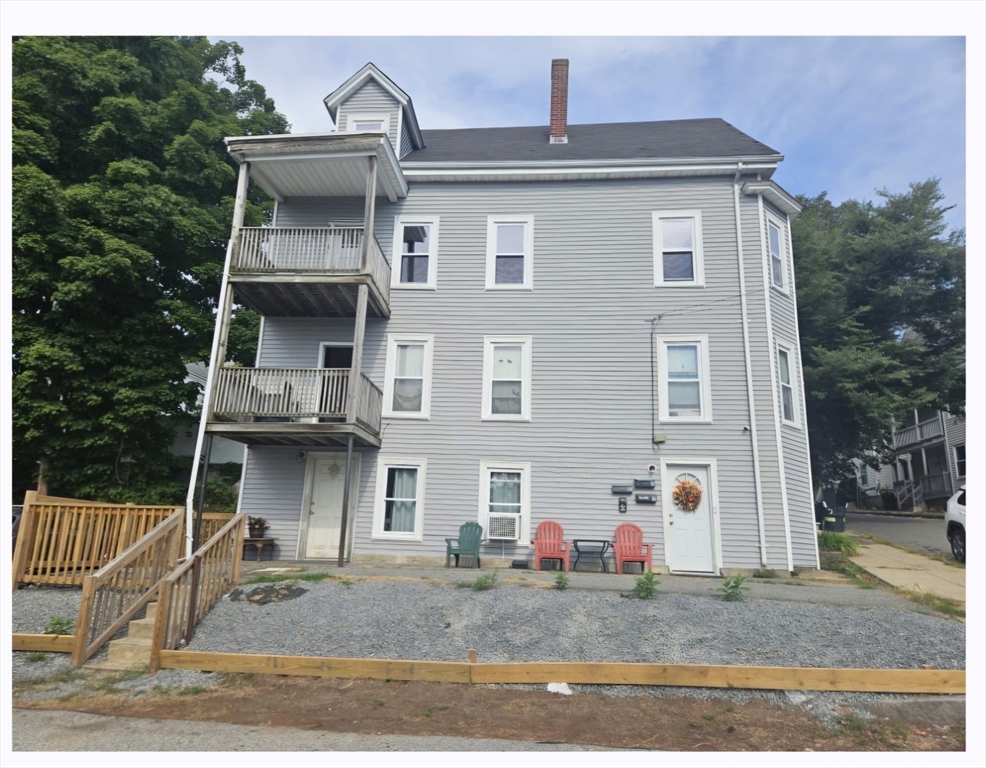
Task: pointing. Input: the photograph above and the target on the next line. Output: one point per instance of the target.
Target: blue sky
(850, 114)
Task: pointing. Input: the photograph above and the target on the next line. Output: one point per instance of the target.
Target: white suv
(955, 524)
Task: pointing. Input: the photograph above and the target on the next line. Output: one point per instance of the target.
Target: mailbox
(621, 489)
(645, 484)
(623, 505)
(646, 498)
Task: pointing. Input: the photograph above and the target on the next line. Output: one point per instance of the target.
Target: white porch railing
(369, 404)
(281, 392)
(936, 485)
(917, 433)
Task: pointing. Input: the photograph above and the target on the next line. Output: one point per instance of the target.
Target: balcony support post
(218, 356)
(352, 389)
(369, 210)
(345, 503)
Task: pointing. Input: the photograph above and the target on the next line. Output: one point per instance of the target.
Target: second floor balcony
(918, 433)
(309, 271)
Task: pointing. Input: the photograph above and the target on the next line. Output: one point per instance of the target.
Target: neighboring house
(508, 324)
(223, 451)
(929, 451)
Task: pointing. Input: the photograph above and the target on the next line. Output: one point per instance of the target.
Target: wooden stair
(131, 651)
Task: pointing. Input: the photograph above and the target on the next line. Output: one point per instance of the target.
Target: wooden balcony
(308, 271)
(918, 433)
(294, 406)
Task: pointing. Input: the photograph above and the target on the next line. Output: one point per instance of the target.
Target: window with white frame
(959, 460)
(507, 378)
(399, 509)
(775, 245)
(788, 413)
(407, 384)
(416, 240)
(683, 378)
(369, 123)
(678, 258)
(505, 501)
(510, 252)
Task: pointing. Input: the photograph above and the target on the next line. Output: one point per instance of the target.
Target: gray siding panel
(591, 390)
(273, 489)
(954, 436)
(370, 99)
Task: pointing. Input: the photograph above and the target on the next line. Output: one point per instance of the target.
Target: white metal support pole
(218, 355)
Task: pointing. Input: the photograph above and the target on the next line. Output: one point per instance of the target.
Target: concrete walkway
(911, 571)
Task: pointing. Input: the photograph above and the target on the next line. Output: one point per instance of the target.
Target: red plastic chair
(549, 545)
(630, 547)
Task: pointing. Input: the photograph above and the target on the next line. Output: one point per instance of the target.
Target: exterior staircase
(134, 650)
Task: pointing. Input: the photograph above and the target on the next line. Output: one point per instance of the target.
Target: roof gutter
(752, 163)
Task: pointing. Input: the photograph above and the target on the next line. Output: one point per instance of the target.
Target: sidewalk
(911, 571)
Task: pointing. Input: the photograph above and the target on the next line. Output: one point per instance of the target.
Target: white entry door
(688, 525)
(325, 508)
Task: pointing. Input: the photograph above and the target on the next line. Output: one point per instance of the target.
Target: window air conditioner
(503, 527)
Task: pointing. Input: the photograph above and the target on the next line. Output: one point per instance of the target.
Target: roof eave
(776, 194)
(771, 160)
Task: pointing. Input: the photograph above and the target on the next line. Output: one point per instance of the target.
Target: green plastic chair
(470, 536)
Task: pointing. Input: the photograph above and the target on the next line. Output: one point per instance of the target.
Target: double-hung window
(510, 252)
(399, 509)
(505, 501)
(683, 371)
(788, 413)
(407, 385)
(775, 245)
(507, 378)
(678, 258)
(416, 240)
(959, 460)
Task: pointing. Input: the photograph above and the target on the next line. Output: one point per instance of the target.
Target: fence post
(237, 552)
(193, 596)
(82, 622)
(161, 623)
(25, 538)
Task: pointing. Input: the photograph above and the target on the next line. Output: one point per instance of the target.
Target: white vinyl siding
(415, 252)
(510, 252)
(678, 258)
(507, 378)
(505, 489)
(399, 509)
(407, 390)
(683, 378)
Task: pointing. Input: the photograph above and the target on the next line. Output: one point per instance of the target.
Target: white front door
(325, 508)
(690, 532)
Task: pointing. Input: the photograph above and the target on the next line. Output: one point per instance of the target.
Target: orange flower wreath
(687, 495)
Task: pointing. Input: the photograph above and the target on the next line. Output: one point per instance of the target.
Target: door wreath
(687, 493)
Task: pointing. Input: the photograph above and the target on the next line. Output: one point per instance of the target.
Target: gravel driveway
(407, 620)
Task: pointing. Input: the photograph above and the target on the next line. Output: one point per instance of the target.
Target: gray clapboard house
(505, 325)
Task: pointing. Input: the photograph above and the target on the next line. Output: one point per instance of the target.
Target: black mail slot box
(645, 483)
(622, 489)
(646, 498)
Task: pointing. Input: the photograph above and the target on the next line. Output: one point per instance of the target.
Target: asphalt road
(920, 534)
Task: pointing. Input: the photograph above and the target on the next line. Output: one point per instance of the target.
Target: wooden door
(691, 535)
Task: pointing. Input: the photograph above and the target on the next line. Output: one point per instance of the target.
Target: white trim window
(507, 378)
(684, 386)
(367, 123)
(416, 252)
(785, 368)
(407, 384)
(775, 250)
(959, 451)
(505, 497)
(399, 509)
(678, 260)
(510, 252)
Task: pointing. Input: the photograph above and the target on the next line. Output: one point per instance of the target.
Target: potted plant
(258, 527)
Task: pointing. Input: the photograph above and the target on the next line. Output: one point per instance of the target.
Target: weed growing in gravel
(888, 732)
(732, 588)
(192, 690)
(277, 578)
(447, 624)
(561, 580)
(708, 717)
(59, 625)
(765, 573)
(941, 604)
(485, 582)
(646, 586)
(108, 683)
(435, 709)
(830, 541)
(37, 656)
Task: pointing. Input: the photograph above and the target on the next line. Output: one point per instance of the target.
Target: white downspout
(214, 362)
(749, 371)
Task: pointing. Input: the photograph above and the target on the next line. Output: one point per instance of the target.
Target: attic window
(369, 123)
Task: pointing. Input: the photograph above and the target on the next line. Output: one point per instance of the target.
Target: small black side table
(594, 547)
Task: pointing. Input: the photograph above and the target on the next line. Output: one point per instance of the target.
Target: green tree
(122, 198)
(881, 307)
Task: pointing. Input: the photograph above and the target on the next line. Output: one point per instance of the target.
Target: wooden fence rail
(119, 589)
(62, 540)
(187, 594)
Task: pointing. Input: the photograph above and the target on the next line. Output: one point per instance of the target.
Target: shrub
(732, 588)
(485, 582)
(59, 625)
(830, 541)
(561, 580)
(646, 586)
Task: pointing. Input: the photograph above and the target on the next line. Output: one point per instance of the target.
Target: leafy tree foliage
(881, 306)
(122, 198)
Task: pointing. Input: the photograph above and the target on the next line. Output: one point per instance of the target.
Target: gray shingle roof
(670, 139)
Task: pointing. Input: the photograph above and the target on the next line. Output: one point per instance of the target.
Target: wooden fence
(188, 593)
(123, 586)
(62, 540)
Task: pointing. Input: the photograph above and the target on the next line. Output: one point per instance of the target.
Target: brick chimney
(559, 102)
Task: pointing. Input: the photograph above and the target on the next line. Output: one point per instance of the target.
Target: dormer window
(369, 123)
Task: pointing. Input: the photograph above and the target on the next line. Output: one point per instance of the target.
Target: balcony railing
(292, 394)
(918, 433)
(936, 485)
